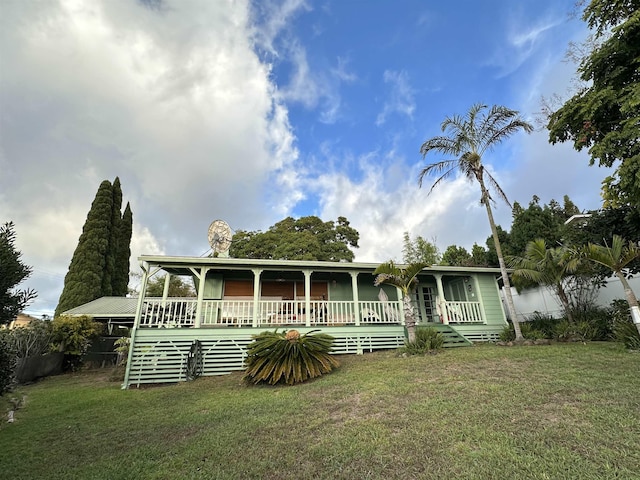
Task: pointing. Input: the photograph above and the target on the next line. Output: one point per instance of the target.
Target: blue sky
(250, 112)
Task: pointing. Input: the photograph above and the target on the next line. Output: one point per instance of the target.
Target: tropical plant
(288, 357)
(406, 279)
(624, 331)
(468, 138)
(428, 339)
(548, 267)
(617, 257)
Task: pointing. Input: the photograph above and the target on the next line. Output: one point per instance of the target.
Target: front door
(426, 302)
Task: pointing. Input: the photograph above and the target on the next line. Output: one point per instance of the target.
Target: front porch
(182, 312)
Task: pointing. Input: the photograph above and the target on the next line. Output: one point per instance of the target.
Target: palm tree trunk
(631, 300)
(562, 295)
(486, 199)
(409, 318)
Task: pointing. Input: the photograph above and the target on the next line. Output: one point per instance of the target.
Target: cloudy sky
(253, 111)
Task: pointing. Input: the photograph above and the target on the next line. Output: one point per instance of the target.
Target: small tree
(406, 279)
(617, 257)
(74, 335)
(12, 273)
(549, 267)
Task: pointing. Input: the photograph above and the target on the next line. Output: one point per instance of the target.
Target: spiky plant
(288, 357)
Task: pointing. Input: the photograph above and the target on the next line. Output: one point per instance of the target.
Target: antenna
(220, 237)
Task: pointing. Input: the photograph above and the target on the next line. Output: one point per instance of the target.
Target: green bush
(32, 340)
(288, 357)
(74, 335)
(8, 361)
(543, 323)
(624, 330)
(428, 339)
(527, 329)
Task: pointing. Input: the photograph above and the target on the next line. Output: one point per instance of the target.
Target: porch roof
(107, 307)
(180, 264)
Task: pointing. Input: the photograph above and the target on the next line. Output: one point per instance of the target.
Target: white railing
(181, 312)
(174, 312)
(463, 312)
(380, 312)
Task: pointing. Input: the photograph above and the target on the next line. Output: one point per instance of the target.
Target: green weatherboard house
(174, 339)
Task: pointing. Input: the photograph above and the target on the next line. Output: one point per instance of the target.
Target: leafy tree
(74, 335)
(468, 139)
(479, 256)
(306, 238)
(549, 267)
(406, 279)
(419, 250)
(177, 287)
(97, 265)
(601, 226)
(455, 256)
(604, 115)
(616, 258)
(12, 272)
(121, 273)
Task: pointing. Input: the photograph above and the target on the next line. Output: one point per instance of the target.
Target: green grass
(545, 412)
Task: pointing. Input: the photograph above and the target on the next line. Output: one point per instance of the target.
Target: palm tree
(467, 139)
(549, 267)
(617, 257)
(406, 279)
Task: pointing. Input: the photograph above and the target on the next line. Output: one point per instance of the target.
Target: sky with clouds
(254, 111)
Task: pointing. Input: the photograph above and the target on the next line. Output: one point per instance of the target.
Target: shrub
(122, 349)
(288, 357)
(624, 330)
(508, 334)
(74, 335)
(7, 363)
(528, 330)
(32, 340)
(543, 323)
(428, 339)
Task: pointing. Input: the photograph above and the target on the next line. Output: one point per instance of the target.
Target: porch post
(356, 300)
(201, 284)
(165, 290)
(256, 295)
(401, 301)
(136, 322)
(442, 304)
(307, 297)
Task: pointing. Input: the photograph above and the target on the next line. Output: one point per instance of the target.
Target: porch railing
(463, 312)
(181, 312)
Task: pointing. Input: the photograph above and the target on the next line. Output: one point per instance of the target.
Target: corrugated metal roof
(107, 307)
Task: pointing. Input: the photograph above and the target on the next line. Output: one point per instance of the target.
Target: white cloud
(401, 97)
(174, 101)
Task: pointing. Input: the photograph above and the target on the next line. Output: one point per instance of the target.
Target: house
(175, 338)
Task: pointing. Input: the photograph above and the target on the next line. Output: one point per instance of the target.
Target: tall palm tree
(549, 267)
(467, 139)
(617, 257)
(406, 279)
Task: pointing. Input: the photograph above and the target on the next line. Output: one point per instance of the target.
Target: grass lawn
(484, 412)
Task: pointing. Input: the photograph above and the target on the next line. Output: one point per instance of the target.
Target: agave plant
(288, 357)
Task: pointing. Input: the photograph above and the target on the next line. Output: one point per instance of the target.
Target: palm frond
(496, 187)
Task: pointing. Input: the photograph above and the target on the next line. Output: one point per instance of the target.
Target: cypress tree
(83, 282)
(121, 277)
(108, 278)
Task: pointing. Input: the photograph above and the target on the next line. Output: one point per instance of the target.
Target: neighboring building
(238, 298)
(22, 320)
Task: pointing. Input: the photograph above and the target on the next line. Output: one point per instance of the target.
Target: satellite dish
(219, 236)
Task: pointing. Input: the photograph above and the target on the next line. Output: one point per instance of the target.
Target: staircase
(451, 336)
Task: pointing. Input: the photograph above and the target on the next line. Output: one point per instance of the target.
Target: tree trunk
(631, 300)
(503, 267)
(409, 318)
(565, 302)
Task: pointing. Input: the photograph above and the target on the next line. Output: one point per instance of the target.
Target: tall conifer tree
(121, 277)
(83, 282)
(108, 278)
